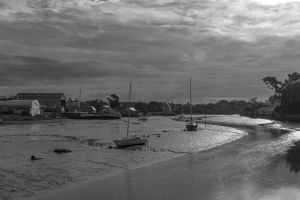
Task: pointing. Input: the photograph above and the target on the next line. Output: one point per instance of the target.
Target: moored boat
(180, 117)
(192, 125)
(143, 118)
(130, 140)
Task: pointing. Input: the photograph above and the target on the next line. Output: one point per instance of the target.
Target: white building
(27, 107)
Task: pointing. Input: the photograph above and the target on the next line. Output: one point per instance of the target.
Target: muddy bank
(93, 154)
(254, 167)
(19, 119)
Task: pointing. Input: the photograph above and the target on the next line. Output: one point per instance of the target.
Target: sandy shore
(91, 158)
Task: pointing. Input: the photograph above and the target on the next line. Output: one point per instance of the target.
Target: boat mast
(182, 108)
(191, 98)
(79, 97)
(128, 110)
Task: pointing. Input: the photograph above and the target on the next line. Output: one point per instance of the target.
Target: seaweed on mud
(89, 142)
(70, 137)
(95, 142)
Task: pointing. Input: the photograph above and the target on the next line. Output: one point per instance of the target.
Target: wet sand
(91, 158)
(260, 165)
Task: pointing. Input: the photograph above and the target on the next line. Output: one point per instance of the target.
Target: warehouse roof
(41, 95)
(32, 103)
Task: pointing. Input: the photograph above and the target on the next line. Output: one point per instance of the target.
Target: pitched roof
(40, 95)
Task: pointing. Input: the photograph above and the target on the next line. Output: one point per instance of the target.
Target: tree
(290, 101)
(275, 85)
(141, 106)
(154, 106)
(114, 101)
(286, 93)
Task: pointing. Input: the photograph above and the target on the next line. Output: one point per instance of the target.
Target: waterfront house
(166, 109)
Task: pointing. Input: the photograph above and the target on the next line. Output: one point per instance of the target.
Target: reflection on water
(262, 133)
(249, 168)
(293, 157)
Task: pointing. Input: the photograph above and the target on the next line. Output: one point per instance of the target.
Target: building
(166, 109)
(24, 107)
(53, 101)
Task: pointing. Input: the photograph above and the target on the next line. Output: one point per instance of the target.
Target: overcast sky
(226, 46)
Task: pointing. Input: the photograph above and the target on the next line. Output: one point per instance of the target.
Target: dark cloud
(227, 47)
(42, 69)
(2, 5)
(36, 60)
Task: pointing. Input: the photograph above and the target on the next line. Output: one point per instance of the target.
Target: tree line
(221, 107)
(286, 97)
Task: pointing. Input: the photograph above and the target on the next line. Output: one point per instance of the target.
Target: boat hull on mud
(191, 126)
(130, 141)
(92, 116)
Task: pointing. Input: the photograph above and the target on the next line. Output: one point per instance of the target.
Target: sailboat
(180, 117)
(191, 125)
(142, 117)
(130, 140)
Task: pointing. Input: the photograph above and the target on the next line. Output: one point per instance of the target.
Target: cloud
(227, 46)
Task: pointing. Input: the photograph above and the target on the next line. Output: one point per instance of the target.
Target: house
(166, 109)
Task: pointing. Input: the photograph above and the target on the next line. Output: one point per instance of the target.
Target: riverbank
(19, 119)
(93, 154)
(261, 165)
(278, 117)
(223, 171)
(91, 157)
